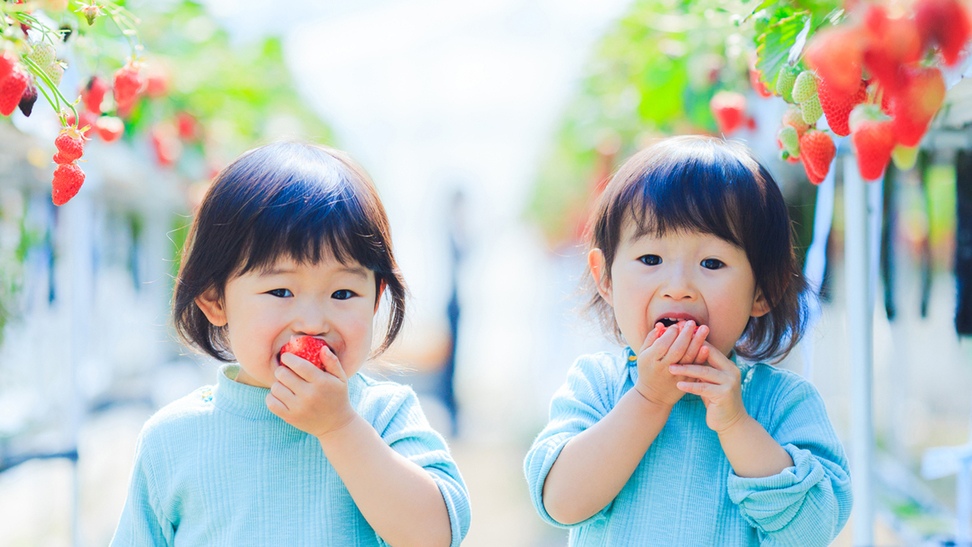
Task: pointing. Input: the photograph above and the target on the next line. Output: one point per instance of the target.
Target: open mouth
(669, 321)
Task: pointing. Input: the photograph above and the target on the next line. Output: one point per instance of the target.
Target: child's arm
(398, 498)
(595, 465)
(789, 479)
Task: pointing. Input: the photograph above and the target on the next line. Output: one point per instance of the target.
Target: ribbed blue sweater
(217, 468)
(684, 491)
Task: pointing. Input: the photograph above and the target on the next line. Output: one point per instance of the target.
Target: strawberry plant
(30, 66)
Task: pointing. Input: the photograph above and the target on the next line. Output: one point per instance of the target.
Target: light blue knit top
(684, 491)
(217, 468)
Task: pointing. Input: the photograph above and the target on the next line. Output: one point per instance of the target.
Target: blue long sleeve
(684, 491)
(218, 468)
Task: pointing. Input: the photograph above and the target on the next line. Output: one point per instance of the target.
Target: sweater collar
(251, 401)
(240, 399)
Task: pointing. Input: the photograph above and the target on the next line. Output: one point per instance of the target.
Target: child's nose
(312, 319)
(679, 287)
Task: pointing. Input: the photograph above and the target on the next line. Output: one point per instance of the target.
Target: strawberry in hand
(305, 347)
(311, 397)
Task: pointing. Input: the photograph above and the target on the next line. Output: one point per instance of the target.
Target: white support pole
(859, 333)
(79, 216)
(963, 505)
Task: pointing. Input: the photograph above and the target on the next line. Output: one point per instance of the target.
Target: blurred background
(486, 127)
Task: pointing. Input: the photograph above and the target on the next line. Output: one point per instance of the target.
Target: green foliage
(654, 74)
(241, 93)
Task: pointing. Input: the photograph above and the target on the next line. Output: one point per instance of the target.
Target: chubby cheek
(357, 344)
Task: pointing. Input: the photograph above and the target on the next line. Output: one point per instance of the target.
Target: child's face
(263, 310)
(681, 275)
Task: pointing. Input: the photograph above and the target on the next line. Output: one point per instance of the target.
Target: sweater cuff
(770, 503)
(538, 463)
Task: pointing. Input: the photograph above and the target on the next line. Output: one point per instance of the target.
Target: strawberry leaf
(799, 43)
(774, 44)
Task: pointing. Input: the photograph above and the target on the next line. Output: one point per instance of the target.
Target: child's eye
(281, 293)
(712, 263)
(650, 260)
(342, 294)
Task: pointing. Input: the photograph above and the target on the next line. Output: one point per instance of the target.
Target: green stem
(58, 96)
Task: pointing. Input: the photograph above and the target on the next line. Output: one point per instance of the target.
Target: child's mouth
(669, 321)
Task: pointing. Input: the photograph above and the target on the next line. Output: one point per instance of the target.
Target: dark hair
(712, 186)
(293, 199)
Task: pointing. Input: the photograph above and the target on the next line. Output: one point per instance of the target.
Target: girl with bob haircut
(683, 438)
(291, 241)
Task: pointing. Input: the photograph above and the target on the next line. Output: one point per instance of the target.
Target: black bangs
(306, 210)
(286, 200)
(694, 191)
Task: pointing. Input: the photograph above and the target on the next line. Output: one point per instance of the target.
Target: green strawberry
(805, 86)
(784, 82)
(789, 139)
(43, 55)
(904, 157)
(812, 110)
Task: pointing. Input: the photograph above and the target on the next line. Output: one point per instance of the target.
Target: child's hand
(663, 347)
(314, 401)
(718, 383)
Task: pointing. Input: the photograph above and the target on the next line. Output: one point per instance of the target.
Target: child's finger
(275, 405)
(297, 367)
(703, 355)
(696, 345)
(660, 346)
(699, 372)
(719, 361)
(654, 334)
(332, 365)
(682, 341)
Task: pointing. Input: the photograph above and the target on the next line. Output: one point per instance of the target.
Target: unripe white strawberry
(805, 86)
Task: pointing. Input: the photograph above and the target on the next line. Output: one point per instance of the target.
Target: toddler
(679, 439)
(291, 241)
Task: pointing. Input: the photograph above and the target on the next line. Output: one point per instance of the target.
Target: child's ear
(760, 306)
(212, 307)
(602, 277)
(381, 291)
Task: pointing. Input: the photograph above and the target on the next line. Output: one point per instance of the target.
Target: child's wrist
(651, 399)
(338, 430)
(740, 423)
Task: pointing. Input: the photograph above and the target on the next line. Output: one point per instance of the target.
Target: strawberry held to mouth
(305, 347)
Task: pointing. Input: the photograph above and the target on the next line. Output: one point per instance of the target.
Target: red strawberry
(69, 143)
(890, 44)
(68, 179)
(873, 138)
(188, 126)
(728, 108)
(756, 80)
(837, 55)
(128, 84)
(946, 23)
(8, 60)
(305, 347)
(59, 159)
(817, 150)
(918, 102)
(94, 93)
(109, 128)
(12, 88)
(837, 105)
